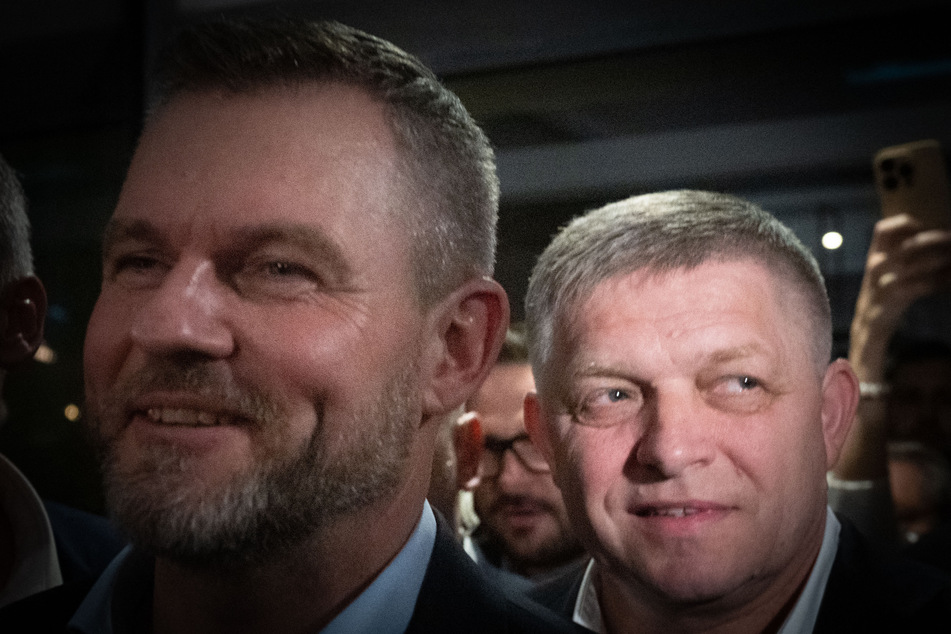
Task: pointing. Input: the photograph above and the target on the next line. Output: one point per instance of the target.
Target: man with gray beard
(296, 292)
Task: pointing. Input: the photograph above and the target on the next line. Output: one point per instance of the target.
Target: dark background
(585, 102)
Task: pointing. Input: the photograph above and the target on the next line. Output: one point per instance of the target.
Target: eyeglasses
(521, 446)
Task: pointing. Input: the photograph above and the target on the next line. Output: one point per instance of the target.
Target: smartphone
(912, 179)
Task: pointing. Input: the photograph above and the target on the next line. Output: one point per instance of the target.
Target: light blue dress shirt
(385, 607)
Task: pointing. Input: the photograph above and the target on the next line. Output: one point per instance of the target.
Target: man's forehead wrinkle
(698, 338)
(368, 147)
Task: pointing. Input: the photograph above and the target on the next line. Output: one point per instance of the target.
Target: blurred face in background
(516, 500)
(915, 511)
(919, 406)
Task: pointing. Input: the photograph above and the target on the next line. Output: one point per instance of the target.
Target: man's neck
(302, 589)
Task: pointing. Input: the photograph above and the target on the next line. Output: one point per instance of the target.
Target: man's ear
(22, 313)
(467, 435)
(840, 397)
(537, 428)
(468, 331)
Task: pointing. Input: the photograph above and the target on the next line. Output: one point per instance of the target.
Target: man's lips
(680, 510)
(520, 513)
(194, 427)
(523, 506)
(186, 410)
(188, 417)
(680, 519)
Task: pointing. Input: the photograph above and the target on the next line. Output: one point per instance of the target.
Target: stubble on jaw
(284, 495)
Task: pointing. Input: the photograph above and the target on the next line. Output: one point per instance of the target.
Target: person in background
(296, 292)
(905, 394)
(686, 403)
(41, 543)
(523, 526)
(920, 480)
(445, 481)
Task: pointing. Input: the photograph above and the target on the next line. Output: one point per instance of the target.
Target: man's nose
(676, 434)
(511, 469)
(184, 313)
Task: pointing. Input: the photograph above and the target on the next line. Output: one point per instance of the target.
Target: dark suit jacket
(85, 543)
(867, 591)
(455, 598)
(870, 591)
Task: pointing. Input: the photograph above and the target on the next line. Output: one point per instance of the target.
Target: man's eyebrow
(316, 243)
(118, 230)
(595, 370)
(726, 355)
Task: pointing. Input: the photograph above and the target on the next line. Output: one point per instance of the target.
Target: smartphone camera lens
(907, 172)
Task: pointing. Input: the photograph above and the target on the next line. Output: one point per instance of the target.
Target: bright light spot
(832, 240)
(45, 354)
(72, 412)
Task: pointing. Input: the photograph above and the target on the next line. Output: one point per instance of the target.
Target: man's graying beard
(284, 495)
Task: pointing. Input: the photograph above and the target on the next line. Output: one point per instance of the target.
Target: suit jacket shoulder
(85, 543)
(874, 591)
(561, 593)
(46, 612)
(867, 591)
(457, 597)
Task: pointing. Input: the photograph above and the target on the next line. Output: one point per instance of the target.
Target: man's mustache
(210, 383)
(520, 500)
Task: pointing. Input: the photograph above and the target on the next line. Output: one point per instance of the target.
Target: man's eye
(284, 269)
(133, 262)
(266, 270)
(135, 270)
(607, 407)
(740, 393)
(738, 384)
(276, 278)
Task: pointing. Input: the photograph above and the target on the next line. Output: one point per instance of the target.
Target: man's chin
(543, 549)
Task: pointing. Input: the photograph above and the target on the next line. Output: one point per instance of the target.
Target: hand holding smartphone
(912, 179)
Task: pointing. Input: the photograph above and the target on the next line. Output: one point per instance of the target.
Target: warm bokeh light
(72, 412)
(45, 354)
(832, 240)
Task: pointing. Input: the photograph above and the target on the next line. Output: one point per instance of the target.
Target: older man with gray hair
(686, 403)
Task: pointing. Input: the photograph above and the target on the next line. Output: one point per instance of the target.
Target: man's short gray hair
(16, 259)
(451, 190)
(663, 232)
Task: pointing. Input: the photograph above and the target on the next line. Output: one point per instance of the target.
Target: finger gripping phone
(912, 179)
